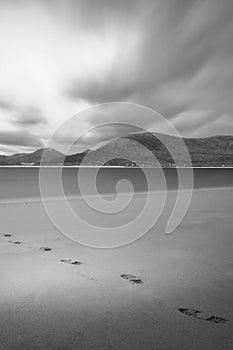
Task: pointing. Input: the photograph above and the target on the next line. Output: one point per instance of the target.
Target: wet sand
(84, 302)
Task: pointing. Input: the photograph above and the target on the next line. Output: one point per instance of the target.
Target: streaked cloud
(6, 105)
(59, 56)
(19, 138)
(29, 116)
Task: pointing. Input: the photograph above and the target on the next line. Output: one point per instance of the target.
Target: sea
(23, 182)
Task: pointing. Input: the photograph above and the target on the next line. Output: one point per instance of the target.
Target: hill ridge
(210, 151)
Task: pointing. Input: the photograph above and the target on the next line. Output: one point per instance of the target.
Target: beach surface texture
(160, 292)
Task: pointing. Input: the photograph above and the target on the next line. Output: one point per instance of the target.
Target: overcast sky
(58, 57)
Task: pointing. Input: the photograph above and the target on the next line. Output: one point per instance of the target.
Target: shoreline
(106, 195)
(113, 166)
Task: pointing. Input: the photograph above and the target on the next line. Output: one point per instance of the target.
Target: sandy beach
(116, 175)
(46, 303)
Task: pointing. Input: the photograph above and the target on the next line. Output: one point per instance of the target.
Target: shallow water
(23, 182)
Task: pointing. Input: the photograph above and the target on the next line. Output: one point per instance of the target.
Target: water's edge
(23, 183)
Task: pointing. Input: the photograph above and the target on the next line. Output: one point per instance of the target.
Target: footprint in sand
(45, 249)
(198, 314)
(133, 279)
(15, 242)
(71, 262)
(88, 277)
(7, 235)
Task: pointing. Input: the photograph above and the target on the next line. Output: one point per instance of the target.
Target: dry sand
(49, 304)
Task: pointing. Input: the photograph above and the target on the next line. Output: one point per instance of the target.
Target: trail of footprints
(8, 235)
(134, 280)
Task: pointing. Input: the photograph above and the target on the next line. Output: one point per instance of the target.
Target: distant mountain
(2, 158)
(214, 151)
(75, 159)
(204, 152)
(31, 158)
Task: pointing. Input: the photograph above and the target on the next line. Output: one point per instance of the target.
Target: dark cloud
(184, 61)
(93, 136)
(30, 116)
(19, 138)
(6, 105)
(96, 92)
(223, 124)
(23, 115)
(105, 122)
(106, 132)
(175, 56)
